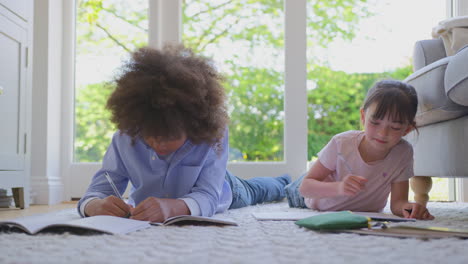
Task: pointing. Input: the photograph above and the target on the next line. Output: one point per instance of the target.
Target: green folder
(334, 221)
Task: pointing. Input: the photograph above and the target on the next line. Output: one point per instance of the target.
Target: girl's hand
(417, 211)
(111, 205)
(157, 209)
(351, 185)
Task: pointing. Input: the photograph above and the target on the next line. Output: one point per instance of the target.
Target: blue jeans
(256, 190)
(295, 199)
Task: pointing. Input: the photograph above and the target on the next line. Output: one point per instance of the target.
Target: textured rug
(251, 242)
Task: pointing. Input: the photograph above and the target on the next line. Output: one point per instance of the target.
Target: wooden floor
(10, 213)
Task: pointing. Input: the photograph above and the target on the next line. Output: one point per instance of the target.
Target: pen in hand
(116, 191)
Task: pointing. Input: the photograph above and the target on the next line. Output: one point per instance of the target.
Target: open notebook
(403, 231)
(196, 220)
(69, 220)
(64, 219)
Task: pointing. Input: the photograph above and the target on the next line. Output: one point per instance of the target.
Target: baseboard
(46, 190)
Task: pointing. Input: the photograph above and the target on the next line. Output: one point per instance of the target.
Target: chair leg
(421, 185)
(18, 196)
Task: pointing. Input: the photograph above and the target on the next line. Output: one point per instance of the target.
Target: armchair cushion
(454, 33)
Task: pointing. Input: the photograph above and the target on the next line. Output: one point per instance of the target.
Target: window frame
(458, 187)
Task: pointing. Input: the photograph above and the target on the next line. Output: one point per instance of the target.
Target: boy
(172, 145)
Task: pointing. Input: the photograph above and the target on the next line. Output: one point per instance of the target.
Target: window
(246, 40)
(106, 32)
(376, 42)
(282, 59)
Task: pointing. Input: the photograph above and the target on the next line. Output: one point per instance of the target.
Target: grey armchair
(441, 81)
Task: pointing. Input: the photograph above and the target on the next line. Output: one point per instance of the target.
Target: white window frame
(458, 187)
(169, 28)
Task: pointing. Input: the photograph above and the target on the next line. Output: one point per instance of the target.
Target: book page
(66, 218)
(412, 232)
(385, 217)
(108, 224)
(34, 223)
(216, 219)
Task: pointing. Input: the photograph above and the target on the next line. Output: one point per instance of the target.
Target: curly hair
(167, 93)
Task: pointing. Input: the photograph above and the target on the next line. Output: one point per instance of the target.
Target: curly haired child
(169, 107)
(357, 170)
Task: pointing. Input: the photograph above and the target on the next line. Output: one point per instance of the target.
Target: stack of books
(5, 200)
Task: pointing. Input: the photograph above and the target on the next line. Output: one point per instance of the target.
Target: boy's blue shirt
(194, 171)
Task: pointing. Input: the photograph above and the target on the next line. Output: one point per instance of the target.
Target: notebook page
(109, 224)
(35, 223)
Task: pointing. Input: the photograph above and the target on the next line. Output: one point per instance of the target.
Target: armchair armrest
(430, 83)
(456, 77)
(426, 52)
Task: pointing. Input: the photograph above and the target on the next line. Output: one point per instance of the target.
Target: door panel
(12, 70)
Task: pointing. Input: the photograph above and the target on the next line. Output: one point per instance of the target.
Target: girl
(357, 170)
(172, 143)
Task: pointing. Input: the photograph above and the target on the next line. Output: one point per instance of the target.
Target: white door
(12, 93)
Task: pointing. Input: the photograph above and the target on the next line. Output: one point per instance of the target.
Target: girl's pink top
(396, 167)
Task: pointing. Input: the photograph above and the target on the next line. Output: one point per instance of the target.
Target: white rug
(250, 242)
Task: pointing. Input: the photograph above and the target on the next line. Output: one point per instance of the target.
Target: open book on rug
(403, 231)
(196, 220)
(69, 220)
(65, 220)
(297, 215)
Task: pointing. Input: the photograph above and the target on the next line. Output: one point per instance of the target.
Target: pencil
(109, 179)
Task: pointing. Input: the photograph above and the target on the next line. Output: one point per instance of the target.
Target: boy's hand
(351, 185)
(157, 209)
(110, 205)
(417, 211)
